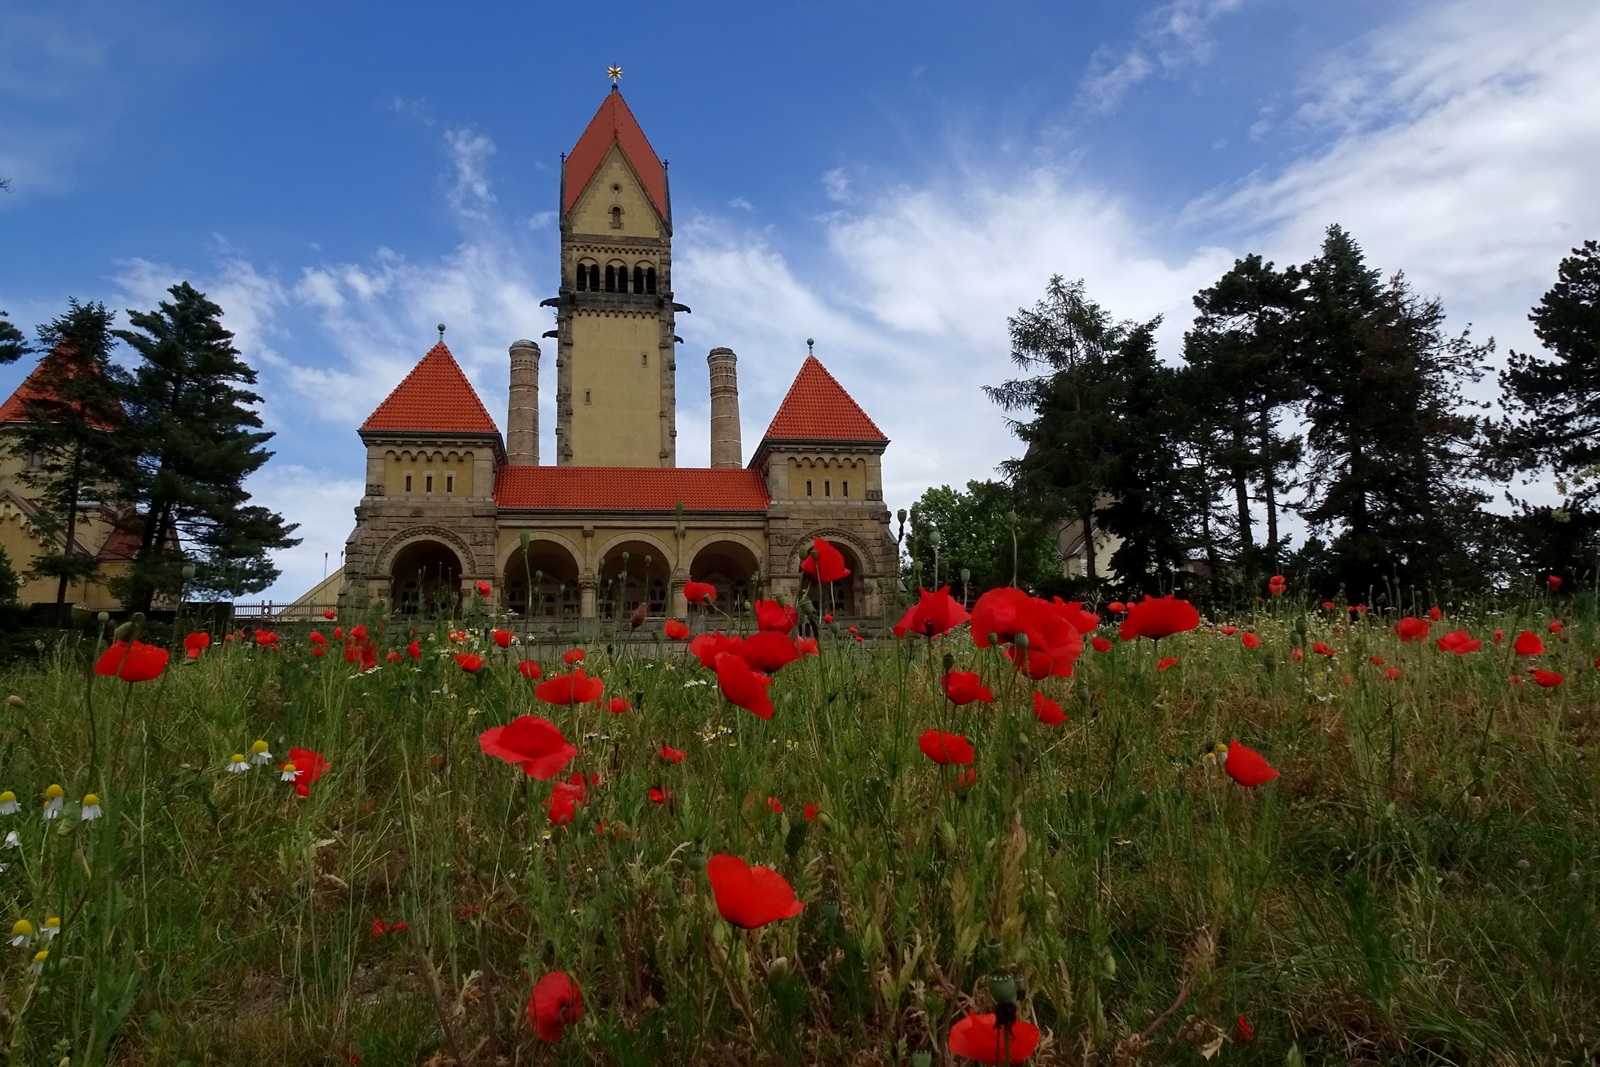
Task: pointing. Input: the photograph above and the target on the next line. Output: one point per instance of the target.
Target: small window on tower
(594, 277)
(611, 279)
(583, 278)
(846, 490)
(450, 484)
(427, 484)
(827, 488)
(650, 280)
(638, 279)
(586, 396)
(644, 359)
(808, 487)
(616, 218)
(408, 483)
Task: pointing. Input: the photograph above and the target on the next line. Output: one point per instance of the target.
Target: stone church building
(613, 522)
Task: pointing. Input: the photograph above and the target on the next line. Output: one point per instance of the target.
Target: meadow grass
(1421, 885)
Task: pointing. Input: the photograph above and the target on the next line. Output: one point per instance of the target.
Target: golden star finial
(613, 73)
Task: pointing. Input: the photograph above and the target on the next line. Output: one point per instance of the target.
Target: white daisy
(8, 803)
(237, 765)
(37, 966)
(259, 754)
(288, 773)
(54, 798)
(21, 933)
(52, 927)
(91, 807)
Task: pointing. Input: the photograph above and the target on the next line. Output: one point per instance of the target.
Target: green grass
(1422, 884)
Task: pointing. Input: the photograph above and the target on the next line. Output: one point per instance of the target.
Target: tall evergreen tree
(72, 460)
(1554, 403)
(1243, 379)
(13, 345)
(197, 437)
(1390, 443)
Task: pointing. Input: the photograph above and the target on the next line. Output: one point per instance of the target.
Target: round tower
(726, 450)
(522, 416)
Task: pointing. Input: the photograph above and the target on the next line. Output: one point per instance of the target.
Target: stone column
(677, 603)
(586, 605)
(522, 415)
(726, 450)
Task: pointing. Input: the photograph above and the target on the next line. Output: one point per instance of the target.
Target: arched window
(594, 277)
(638, 279)
(611, 279)
(583, 277)
(650, 280)
(616, 218)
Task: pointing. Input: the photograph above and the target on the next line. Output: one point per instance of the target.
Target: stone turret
(726, 450)
(522, 418)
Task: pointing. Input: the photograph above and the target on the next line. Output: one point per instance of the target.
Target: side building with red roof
(613, 523)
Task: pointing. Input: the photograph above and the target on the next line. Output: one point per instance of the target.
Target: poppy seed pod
(922, 1058)
(947, 836)
(103, 617)
(697, 861)
(189, 572)
(1300, 625)
(1003, 987)
(830, 910)
(949, 663)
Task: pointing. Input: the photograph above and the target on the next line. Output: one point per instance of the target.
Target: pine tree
(1390, 446)
(13, 345)
(196, 437)
(1554, 403)
(73, 461)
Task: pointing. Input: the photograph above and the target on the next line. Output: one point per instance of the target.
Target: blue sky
(891, 179)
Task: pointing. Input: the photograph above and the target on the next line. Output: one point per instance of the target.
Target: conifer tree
(197, 437)
(1390, 443)
(13, 345)
(72, 460)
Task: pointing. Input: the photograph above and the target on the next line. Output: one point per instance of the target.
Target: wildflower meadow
(1011, 830)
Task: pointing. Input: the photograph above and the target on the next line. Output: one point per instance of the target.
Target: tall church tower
(615, 358)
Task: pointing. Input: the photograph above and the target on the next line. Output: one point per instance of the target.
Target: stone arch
(659, 550)
(729, 563)
(849, 596)
(425, 572)
(621, 586)
(546, 582)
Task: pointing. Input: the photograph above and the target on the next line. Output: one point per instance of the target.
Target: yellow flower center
(259, 746)
(91, 799)
(54, 922)
(55, 792)
(7, 797)
(238, 757)
(21, 928)
(289, 768)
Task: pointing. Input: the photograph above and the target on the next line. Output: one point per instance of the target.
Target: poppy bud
(922, 1058)
(1021, 640)
(966, 575)
(123, 632)
(1298, 638)
(826, 820)
(103, 617)
(188, 572)
(1295, 1058)
(697, 861)
(949, 663)
(830, 910)
(947, 836)
(778, 969)
(1300, 625)
(1003, 988)
(1083, 691)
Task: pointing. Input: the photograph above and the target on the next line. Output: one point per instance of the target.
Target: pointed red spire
(614, 124)
(434, 398)
(818, 409)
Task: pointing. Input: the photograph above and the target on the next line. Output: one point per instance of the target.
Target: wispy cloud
(470, 195)
(1171, 38)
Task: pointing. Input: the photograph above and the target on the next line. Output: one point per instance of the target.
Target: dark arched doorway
(426, 579)
(543, 583)
(730, 567)
(631, 574)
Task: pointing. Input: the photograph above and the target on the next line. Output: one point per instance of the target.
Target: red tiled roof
(434, 398)
(36, 386)
(614, 124)
(631, 488)
(818, 409)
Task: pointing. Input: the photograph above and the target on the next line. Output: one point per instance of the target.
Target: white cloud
(469, 152)
(836, 185)
(1171, 38)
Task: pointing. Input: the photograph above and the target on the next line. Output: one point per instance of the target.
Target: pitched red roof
(818, 409)
(36, 386)
(614, 124)
(434, 398)
(631, 488)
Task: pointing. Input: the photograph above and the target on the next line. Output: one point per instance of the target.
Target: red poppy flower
(1459, 642)
(1499, 635)
(1394, 672)
(743, 685)
(999, 615)
(806, 646)
(659, 795)
(556, 1003)
(750, 896)
(1101, 644)
(1327, 605)
(394, 657)
(769, 651)
(827, 560)
(1435, 613)
(562, 807)
(945, 749)
(484, 588)
(1297, 654)
(414, 650)
(771, 615)
(963, 687)
(1081, 619)
(933, 614)
(985, 1039)
(1377, 661)
(338, 633)
(700, 592)
(199, 641)
(316, 650)
(1158, 617)
(1555, 626)
(1243, 1032)
(1277, 584)
(707, 647)
(1247, 766)
(571, 656)
(533, 742)
(1411, 628)
(530, 670)
(1553, 581)
(776, 805)
(1053, 644)
(330, 614)
(468, 661)
(1047, 711)
(812, 810)
(266, 637)
(1548, 679)
(572, 688)
(675, 630)
(502, 638)
(1116, 607)
(308, 767)
(670, 754)
(316, 638)
(1324, 649)
(137, 662)
(1229, 630)
(1249, 640)
(457, 636)
(1528, 643)
(1166, 663)
(618, 705)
